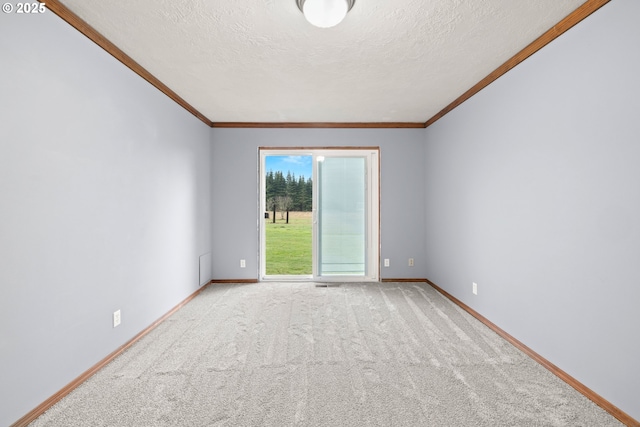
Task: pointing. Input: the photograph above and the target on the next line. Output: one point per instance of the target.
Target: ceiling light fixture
(325, 13)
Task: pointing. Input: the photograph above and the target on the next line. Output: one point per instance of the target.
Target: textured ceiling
(260, 61)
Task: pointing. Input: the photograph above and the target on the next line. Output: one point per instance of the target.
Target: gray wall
(234, 173)
(104, 186)
(111, 192)
(533, 192)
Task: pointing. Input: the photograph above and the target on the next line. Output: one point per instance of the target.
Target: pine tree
(308, 194)
(269, 185)
(299, 191)
(301, 195)
(279, 184)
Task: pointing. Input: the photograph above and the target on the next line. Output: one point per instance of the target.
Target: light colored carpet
(282, 354)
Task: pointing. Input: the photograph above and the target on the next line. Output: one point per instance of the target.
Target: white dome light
(325, 13)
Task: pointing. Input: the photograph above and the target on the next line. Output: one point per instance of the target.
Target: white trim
(372, 158)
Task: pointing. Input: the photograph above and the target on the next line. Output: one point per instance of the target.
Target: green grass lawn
(289, 245)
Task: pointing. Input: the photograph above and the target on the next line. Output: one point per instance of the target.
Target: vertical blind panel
(342, 216)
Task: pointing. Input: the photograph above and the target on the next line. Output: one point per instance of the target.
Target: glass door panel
(344, 222)
(341, 216)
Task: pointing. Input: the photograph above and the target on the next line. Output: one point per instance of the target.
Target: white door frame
(372, 155)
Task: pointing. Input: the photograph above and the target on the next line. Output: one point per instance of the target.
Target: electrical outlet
(475, 288)
(243, 263)
(386, 262)
(116, 318)
(410, 262)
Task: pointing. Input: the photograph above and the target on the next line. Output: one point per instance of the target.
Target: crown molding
(572, 19)
(79, 24)
(589, 7)
(320, 125)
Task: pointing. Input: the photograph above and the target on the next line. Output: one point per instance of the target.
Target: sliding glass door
(344, 216)
(340, 216)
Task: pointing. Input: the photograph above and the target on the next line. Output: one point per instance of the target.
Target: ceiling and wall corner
(260, 63)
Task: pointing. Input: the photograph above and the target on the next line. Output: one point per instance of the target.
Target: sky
(297, 165)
